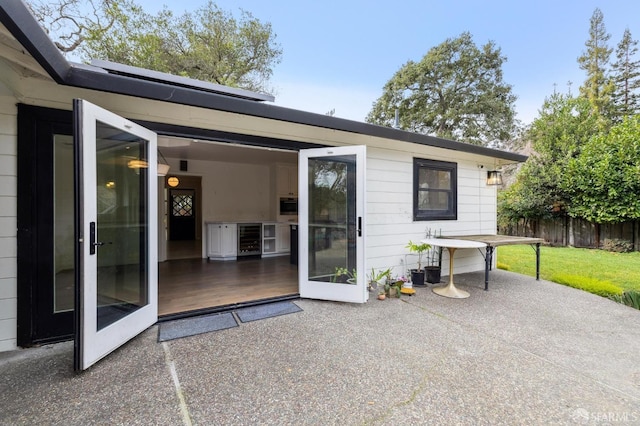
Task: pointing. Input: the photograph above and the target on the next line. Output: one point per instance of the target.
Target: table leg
(450, 290)
(488, 260)
(538, 262)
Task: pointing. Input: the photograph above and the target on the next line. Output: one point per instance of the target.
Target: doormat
(196, 325)
(268, 310)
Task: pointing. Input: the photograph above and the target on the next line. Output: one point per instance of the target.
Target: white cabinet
(283, 241)
(268, 239)
(222, 241)
(287, 180)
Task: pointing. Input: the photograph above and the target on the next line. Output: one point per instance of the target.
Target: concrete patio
(525, 352)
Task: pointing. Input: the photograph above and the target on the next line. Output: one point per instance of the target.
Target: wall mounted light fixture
(494, 177)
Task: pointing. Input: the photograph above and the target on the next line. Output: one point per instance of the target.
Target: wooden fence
(575, 232)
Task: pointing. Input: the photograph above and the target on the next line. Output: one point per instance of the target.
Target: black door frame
(36, 321)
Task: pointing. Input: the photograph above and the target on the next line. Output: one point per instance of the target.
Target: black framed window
(435, 190)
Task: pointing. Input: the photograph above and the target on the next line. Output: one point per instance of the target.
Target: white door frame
(313, 289)
(92, 343)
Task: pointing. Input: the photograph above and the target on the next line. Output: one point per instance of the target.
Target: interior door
(116, 231)
(182, 214)
(331, 216)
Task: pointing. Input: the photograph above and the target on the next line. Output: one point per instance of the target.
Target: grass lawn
(621, 269)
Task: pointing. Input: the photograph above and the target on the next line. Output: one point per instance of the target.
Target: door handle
(359, 226)
(92, 239)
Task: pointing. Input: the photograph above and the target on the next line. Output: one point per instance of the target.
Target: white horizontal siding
(8, 223)
(390, 222)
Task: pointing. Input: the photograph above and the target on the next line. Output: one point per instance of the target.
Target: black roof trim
(16, 17)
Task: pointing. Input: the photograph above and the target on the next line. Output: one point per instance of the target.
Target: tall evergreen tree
(597, 88)
(626, 77)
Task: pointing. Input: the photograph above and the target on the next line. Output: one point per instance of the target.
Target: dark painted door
(182, 214)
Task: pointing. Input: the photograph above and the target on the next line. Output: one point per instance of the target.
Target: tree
(456, 91)
(68, 21)
(597, 88)
(626, 77)
(604, 180)
(564, 126)
(208, 44)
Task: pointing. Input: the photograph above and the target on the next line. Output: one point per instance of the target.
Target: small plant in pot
(376, 279)
(417, 275)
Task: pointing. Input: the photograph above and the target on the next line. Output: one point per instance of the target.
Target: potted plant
(417, 275)
(434, 259)
(393, 287)
(377, 278)
(432, 267)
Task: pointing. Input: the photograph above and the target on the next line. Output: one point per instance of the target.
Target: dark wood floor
(191, 284)
(185, 249)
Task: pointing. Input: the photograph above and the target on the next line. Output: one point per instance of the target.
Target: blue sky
(339, 54)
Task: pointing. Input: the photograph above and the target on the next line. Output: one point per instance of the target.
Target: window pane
(433, 200)
(434, 179)
(435, 192)
(182, 205)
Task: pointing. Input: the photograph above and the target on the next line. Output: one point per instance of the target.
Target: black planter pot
(433, 274)
(417, 278)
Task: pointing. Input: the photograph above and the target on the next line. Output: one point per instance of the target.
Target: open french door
(116, 231)
(331, 212)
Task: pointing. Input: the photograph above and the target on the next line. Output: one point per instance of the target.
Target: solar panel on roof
(163, 77)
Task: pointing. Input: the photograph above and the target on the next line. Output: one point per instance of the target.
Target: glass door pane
(122, 176)
(63, 222)
(332, 219)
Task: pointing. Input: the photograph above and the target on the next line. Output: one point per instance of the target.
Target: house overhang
(23, 26)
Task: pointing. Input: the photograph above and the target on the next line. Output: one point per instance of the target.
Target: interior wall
(232, 191)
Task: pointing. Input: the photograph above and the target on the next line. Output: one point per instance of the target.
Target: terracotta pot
(381, 297)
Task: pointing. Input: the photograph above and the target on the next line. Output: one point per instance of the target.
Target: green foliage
(629, 298)
(617, 245)
(564, 125)
(344, 274)
(626, 78)
(455, 91)
(604, 180)
(418, 248)
(380, 275)
(621, 269)
(395, 285)
(503, 266)
(592, 285)
(597, 88)
(208, 44)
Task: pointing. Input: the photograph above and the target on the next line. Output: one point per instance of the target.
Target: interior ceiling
(191, 149)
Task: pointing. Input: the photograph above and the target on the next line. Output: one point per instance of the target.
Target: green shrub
(504, 266)
(617, 245)
(592, 285)
(629, 298)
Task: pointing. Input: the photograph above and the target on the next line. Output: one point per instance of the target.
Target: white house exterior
(34, 75)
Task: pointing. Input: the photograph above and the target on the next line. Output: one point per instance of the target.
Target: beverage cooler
(249, 239)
